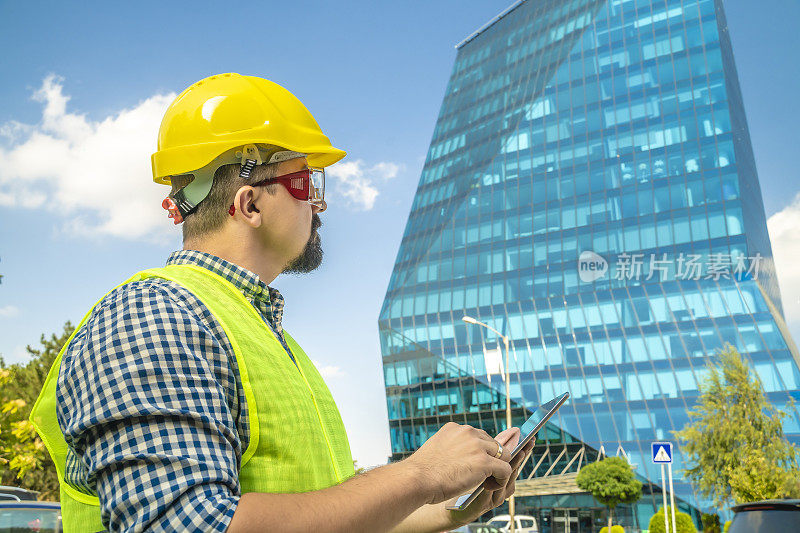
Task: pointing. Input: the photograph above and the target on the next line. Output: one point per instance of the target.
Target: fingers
(499, 469)
(510, 490)
(496, 482)
(492, 485)
(498, 498)
(522, 456)
(499, 492)
(509, 438)
(517, 461)
(492, 447)
(507, 449)
(528, 455)
(511, 486)
(517, 464)
(506, 437)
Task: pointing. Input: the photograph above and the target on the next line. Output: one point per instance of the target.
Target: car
(523, 523)
(477, 527)
(30, 516)
(17, 494)
(766, 516)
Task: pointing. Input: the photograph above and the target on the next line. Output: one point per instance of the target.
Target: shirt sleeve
(143, 402)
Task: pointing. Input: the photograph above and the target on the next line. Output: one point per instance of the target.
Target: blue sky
(81, 95)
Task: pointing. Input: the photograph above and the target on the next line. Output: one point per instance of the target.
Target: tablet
(528, 430)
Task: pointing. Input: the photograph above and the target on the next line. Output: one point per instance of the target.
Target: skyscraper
(590, 191)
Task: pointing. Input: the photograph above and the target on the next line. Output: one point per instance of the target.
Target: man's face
(291, 225)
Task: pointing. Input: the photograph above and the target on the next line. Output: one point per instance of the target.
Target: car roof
(29, 505)
(17, 492)
(764, 505)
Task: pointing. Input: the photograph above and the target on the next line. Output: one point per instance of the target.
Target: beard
(311, 256)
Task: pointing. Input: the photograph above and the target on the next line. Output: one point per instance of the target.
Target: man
(180, 403)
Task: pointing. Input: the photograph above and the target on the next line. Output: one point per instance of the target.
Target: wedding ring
(499, 451)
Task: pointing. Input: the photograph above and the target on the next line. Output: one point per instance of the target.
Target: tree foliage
(735, 438)
(611, 482)
(683, 522)
(358, 469)
(24, 460)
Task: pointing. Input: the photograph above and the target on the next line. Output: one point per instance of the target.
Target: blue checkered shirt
(152, 407)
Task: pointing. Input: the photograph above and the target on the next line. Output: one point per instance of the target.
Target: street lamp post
(470, 320)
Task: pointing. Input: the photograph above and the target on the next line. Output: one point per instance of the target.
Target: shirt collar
(246, 281)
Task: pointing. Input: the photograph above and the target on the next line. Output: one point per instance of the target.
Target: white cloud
(328, 371)
(95, 174)
(784, 233)
(12, 130)
(357, 183)
(9, 311)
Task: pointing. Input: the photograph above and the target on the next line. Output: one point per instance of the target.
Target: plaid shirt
(152, 407)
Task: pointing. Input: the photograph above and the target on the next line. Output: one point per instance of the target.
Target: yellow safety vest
(297, 439)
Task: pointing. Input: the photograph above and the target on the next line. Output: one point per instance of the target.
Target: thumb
(508, 438)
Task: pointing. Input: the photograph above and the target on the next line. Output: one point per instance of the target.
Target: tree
(358, 469)
(24, 460)
(735, 438)
(611, 482)
(683, 522)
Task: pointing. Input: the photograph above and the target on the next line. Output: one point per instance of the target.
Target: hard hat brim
(187, 159)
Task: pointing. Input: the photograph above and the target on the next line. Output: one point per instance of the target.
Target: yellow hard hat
(232, 118)
(227, 111)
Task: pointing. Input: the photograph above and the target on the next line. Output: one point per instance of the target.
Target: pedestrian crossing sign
(661, 452)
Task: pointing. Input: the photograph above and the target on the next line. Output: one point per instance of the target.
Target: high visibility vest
(297, 439)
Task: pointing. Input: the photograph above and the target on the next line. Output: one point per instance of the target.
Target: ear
(245, 204)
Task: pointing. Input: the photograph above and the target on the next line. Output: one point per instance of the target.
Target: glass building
(590, 191)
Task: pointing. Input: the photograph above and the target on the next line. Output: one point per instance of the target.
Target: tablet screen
(535, 422)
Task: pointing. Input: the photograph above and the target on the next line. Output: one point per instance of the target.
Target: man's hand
(459, 458)
(494, 492)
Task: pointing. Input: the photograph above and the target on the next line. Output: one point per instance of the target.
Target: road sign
(661, 452)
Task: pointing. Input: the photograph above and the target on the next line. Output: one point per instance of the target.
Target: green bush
(727, 525)
(614, 529)
(682, 520)
(711, 523)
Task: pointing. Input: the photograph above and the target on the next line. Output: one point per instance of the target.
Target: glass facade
(572, 127)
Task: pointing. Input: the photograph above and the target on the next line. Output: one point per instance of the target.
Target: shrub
(682, 520)
(711, 523)
(614, 529)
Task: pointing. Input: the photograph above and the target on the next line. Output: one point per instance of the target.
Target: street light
(470, 320)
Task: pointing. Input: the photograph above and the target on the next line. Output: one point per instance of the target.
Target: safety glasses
(307, 185)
